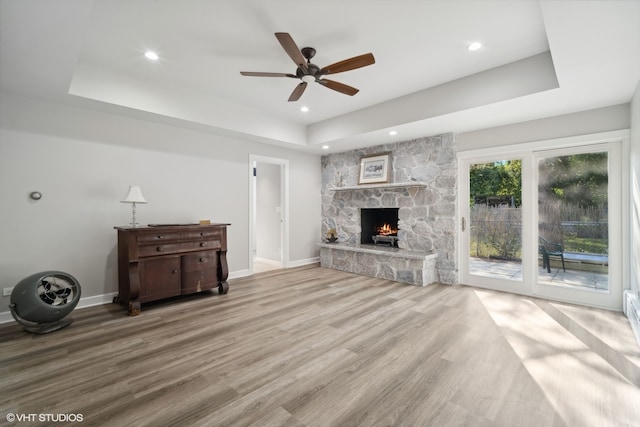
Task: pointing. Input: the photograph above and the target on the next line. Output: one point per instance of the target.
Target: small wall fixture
(134, 195)
(35, 195)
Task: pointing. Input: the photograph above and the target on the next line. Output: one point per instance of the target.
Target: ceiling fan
(309, 73)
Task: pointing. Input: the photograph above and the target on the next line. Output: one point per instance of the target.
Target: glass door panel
(492, 223)
(578, 210)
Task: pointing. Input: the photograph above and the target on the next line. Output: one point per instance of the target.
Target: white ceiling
(539, 59)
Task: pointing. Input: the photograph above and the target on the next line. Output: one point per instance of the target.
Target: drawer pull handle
(159, 248)
(174, 271)
(203, 244)
(160, 237)
(202, 259)
(202, 234)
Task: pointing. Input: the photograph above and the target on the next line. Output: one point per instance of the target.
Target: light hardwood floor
(316, 347)
(261, 265)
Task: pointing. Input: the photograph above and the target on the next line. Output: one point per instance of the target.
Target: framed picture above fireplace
(374, 169)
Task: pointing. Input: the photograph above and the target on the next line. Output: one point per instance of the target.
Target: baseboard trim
(239, 273)
(301, 262)
(83, 303)
(6, 317)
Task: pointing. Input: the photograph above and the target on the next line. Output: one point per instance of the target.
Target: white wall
(583, 123)
(268, 219)
(83, 161)
(635, 192)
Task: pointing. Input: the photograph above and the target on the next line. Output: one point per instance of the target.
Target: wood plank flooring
(317, 347)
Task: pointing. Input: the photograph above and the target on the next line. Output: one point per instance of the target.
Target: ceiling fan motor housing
(312, 70)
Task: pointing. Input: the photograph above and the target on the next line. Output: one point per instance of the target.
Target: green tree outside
(502, 178)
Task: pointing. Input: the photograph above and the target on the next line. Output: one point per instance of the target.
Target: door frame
(284, 202)
(529, 232)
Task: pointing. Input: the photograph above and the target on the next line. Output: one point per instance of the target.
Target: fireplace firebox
(379, 226)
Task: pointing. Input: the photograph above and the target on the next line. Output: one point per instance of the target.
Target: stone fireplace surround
(422, 185)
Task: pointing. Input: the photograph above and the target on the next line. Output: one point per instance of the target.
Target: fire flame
(386, 230)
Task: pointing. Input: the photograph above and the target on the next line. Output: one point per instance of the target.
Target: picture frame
(374, 169)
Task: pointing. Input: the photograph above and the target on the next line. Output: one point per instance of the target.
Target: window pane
(496, 219)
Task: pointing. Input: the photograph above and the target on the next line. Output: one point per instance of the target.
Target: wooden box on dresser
(156, 262)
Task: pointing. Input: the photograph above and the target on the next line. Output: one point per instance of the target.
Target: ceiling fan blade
(259, 74)
(349, 64)
(338, 87)
(297, 92)
(292, 49)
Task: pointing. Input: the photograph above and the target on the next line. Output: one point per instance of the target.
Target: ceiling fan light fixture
(308, 78)
(304, 109)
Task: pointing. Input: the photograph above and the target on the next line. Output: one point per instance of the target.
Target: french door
(578, 212)
(544, 222)
(494, 222)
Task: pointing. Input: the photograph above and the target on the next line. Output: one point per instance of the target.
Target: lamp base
(133, 223)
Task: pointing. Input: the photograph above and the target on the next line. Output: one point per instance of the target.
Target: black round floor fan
(39, 302)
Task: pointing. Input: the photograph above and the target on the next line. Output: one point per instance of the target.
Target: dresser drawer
(157, 237)
(178, 247)
(199, 261)
(207, 234)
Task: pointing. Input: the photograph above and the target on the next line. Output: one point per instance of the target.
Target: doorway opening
(268, 223)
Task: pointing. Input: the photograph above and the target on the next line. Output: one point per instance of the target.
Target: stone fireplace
(422, 189)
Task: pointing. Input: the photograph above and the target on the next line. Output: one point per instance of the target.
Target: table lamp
(134, 195)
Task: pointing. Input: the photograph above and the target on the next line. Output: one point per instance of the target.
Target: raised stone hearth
(422, 186)
(400, 265)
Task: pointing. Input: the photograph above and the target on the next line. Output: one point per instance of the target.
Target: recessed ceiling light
(151, 55)
(304, 109)
(474, 46)
(325, 147)
(393, 132)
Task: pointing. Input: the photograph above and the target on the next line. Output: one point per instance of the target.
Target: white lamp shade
(134, 195)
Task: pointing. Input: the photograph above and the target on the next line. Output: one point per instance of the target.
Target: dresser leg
(223, 288)
(134, 308)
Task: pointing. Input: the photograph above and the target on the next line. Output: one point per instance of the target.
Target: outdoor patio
(509, 270)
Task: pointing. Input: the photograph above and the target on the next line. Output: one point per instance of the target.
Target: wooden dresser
(163, 261)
